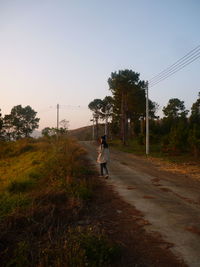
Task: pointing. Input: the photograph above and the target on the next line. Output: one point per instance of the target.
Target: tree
(21, 122)
(96, 106)
(51, 131)
(175, 109)
(195, 112)
(64, 124)
(129, 96)
(194, 140)
(47, 131)
(106, 107)
(174, 113)
(1, 126)
(178, 138)
(107, 112)
(194, 133)
(8, 128)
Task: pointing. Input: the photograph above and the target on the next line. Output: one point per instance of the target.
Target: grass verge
(44, 199)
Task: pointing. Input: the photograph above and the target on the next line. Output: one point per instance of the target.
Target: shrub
(9, 203)
(98, 250)
(35, 174)
(20, 257)
(81, 247)
(20, 186)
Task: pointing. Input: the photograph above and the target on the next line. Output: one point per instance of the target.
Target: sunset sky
(63, 52)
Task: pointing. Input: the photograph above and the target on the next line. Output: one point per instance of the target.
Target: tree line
(20, 123)
(178, 131)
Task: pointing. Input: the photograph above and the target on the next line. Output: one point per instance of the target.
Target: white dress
(103, 156)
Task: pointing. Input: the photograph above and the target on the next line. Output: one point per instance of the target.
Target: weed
(8, 203)
(20, 257)
(81, 247)
(20, 186)
(36, 162)
(35, 174)
(83, 170)
(95, 247)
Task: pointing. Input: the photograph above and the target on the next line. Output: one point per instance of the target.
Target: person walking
(103, 156)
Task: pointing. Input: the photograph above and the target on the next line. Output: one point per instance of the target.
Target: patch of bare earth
(191, 169)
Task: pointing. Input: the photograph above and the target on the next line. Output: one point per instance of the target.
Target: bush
(98, 250)
(35, 174)
(81, 247)
(20, 186)
(9, 203)
(20, 257)
(194, 140)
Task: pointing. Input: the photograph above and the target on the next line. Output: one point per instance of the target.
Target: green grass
(20, 171)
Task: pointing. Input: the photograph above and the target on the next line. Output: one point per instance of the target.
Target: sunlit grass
(19, 167)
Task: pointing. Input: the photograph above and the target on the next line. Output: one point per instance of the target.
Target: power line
(178, 65)
(73, 107)
(175, 70)
(178, 62)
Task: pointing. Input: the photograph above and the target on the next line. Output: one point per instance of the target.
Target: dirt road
(170, 202)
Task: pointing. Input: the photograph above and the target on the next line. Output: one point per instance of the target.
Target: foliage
(9, 203)
(175, 109)
(194, 140)
(47, 194)
(21, 186)
(1, 126)
(21, 122)
(178, 138)
(47, 131)
(128, 96)
(95, 106)
(195, 112)
(81, 247)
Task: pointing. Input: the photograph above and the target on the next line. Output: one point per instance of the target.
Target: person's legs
(105, 167)
(101, 168)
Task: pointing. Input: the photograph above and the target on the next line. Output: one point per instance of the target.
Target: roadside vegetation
(46, 185)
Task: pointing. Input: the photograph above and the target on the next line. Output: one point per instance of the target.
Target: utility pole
(92, 128)
(96, 117)
(106, 124)
(57, 116)
(147, 120)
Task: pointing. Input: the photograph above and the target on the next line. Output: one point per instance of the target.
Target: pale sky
(63, 51)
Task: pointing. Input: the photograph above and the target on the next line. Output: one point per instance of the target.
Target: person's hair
(103, 137)
(104, 143)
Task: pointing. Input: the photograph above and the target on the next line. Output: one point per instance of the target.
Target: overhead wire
(175, 70)
(177, 66)
(178, 62)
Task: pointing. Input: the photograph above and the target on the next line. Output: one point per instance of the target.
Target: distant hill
(85, 133)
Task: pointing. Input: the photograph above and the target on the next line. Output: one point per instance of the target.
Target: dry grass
(43, 198)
